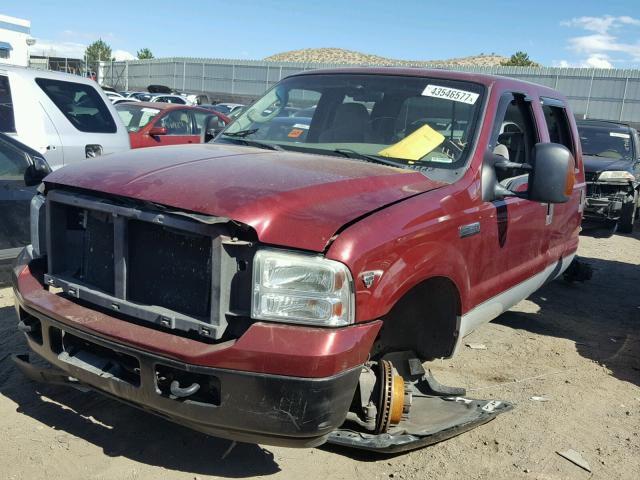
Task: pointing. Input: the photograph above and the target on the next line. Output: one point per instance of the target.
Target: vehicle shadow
(121, 430)
(597, 229)
(602, 316)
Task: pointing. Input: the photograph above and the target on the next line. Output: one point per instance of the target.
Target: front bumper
(604, 201)
(294, 399)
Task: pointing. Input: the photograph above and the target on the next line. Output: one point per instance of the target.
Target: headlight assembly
(299, 288)
(616, 176)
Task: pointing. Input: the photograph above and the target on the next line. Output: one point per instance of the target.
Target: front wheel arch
(425, 320)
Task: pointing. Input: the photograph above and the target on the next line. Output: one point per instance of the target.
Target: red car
(153, 124)
(284, 284)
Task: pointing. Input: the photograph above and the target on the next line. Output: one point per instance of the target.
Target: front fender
(402, 251)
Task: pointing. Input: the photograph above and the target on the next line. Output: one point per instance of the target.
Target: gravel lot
(578, 345)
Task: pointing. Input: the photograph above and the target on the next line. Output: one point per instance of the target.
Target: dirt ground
(578, 345)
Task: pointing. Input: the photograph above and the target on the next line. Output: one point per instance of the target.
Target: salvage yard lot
(576, 345)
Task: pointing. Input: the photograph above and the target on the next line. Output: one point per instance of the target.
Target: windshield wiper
(257, 144)
(347, 152)
(241, 133)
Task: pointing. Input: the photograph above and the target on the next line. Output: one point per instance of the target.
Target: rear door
(15, 198)
(563, 218)
(84, 119)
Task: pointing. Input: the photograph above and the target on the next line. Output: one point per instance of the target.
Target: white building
(15, 40)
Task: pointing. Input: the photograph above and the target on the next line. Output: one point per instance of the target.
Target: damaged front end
(182, 272)
(399, 407)
(185, 316)
(605, 198)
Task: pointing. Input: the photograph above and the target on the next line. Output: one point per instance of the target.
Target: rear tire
(628, 215)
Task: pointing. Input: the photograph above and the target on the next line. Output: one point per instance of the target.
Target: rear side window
(558, 125)
(81, 104)
(7, 122)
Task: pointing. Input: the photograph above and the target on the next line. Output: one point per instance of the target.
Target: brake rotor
(391, 404)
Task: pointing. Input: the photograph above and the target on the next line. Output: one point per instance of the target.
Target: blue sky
(553, 32)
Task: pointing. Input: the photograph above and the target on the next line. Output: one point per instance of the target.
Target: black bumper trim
(254, 407)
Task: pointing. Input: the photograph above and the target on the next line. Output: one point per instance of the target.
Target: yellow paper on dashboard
(415, 146)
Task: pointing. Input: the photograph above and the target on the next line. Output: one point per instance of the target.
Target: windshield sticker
(415, 146)
(302, 126)
(149, 110)
(447, 93)
(295, 133)
(441, 159)
(620, 135)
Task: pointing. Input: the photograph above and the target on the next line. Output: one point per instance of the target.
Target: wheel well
(425, 320)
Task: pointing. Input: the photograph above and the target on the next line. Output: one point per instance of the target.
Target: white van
(65, 117)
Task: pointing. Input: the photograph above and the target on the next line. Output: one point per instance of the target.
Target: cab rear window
(81, 104)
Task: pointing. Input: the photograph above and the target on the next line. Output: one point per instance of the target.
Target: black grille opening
(169, 268)
(103, 361)
(83, 242)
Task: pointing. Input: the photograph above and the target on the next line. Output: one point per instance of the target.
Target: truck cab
(286, 289)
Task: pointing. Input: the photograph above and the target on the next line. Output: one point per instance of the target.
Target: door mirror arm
(491, 188)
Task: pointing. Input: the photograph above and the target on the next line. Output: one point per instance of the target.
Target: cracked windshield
(417, 123)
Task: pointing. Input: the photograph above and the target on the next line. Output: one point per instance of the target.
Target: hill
(340, 55)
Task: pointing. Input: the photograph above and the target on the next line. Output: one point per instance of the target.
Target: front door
(180, 129)
(515, 236)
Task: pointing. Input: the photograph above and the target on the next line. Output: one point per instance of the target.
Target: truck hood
(290, 199)
(601, 164)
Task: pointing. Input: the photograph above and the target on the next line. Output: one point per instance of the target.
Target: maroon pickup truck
(284, 283)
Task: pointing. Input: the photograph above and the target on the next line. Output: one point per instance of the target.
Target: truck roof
(484, 79)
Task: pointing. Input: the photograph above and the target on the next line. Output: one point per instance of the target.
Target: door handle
(549, 217)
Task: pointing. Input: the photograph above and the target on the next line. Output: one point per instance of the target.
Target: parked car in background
(117, 101)
(197, 98)
(163, 98)
(113, 96)
(155, 124)
(67, 118)
(283, 291)
(142, 96)
(611, 153)
(21, 169)
(224, 108)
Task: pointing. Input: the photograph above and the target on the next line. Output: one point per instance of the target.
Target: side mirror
(36, 171)
(211, 127)
(552, 176)
(158, 131)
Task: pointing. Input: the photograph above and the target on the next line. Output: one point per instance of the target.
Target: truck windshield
(606, 143)
(409, 122)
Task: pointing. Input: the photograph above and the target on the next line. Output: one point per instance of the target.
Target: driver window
(12, 162)
(177, 122)
(514, 137)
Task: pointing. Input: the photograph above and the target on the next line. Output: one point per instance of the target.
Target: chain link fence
(609, 94)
